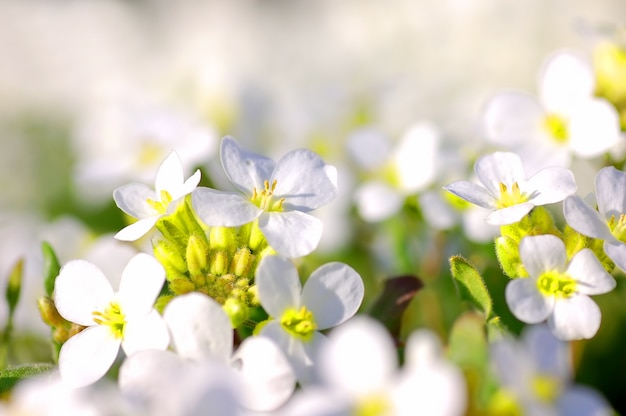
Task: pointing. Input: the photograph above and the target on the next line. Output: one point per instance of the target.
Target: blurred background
(94, 94)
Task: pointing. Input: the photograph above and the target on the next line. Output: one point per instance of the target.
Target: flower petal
(268, 379)
(87, 356)
(377, 201)
(526, 302)
(499, 167)
(169, 176)
(509, 215)
(137, 229)
(551, 185)
(566, 79)
(594, 128)
(246, 170)
(278, 285)
(141, 282)
(304, 180)
(586, 220)
(333, 293)
(200, 328)
(611, 192)
(147, 333)
(81, 289)
(133, 200)
(292, 234)
(579, 400)
(574, 318)
(473, 193)
(616, 252)
(511, 118)
(542, 253)
(223, 209)
(590, 275)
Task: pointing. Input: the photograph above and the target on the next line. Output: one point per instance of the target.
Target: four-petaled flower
(279, 194)
(139, 201)
(506, 190)
(83, 295)
(557, 290)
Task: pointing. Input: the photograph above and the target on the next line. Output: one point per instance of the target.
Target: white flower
(139, 201)
(507, 192)
(330, 296)
(557, 290)
(536, 371)
(609, 222)
(279, 194)
(83, 295)
(567, 118)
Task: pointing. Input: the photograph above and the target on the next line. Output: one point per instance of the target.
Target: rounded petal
(266, 373)
(591, 278)
(611, 192)
(148, 333)
(141, 283)
(542, 253)
(616, 252)
(509, 215)
(304, 180)
(416, 157)
(133, 200)
(81, 289)
(138, 229)
(369, 148)
(594, 128)
(200, 328)
(246, 170)
(551, 185)
(512, 117)
(292, 233)
(526, 302)
(169, 176)
(278, 285)
(586, 220)
(550, 356)
(580, 400)
(574, 318)
(566, 79)
(473, 193)
(145, 373)
(377, 201)
(333, 293)
(499, 167)
(87, 356)
(223, 209)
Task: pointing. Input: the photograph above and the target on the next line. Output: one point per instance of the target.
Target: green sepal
(507, 252)
(10, 376)
(172, 233)
(51, 267)
(471, 286)
(14, 286)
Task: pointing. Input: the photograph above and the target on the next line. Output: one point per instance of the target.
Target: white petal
(246, 170)
(579, 400)
(278, 285)
(377, 201)
(437, 212)
(141, 283)
(333, 293)
(576, 317)
(499, 167)
(566, 79)
(146, 373)
(509, 215)
(169, 176)
(611, 192)
(137, 229)
(542, 253)
(147, 333)
(200, 328)
(292, 234)
(190, 184)
(81, 289)
(526, 302)
(369, 148)
(550, 356)
(594, 128)
(586, 220)
(266, 373)
(133, 200)
(359, 358)
(590, 276)
(512, 117)
(87, 356)
(616, 252)
(223, 209)
(551, 185)
(416, 157)
(473, 193)
(302, 178)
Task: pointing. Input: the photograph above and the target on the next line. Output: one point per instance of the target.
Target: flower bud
(236, 310)
(197, 255)
(507, 251)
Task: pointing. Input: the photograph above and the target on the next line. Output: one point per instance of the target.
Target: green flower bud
(257, 239)
(242, 262)
(236, 310)
(197, 255)
(170, 258)
(507, 251)
(219, 263)
(223, 238)
(181, 286)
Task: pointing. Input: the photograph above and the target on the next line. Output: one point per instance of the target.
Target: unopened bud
(181, 286)
(223, 238)
(171, 258)
(242, 262)
(236, 310)
(219, 263)
(507, 251)
(197, 255)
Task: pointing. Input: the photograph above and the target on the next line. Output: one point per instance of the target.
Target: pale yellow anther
(556, 284)
(618, 227)
(264, 198)
(161, 206)
(510, 197)
(299, 323)
(112, 317)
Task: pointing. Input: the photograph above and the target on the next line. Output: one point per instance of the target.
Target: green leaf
(471, 285)
(51, 267)
(9, 377)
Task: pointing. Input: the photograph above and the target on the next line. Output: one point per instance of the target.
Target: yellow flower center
(618, 227)
(546, 388)
(161, 205)
(112, 317)
(264, 199)
(556, 127)
(556, 284)
(299, 323)
(510, 197)
(373, 405)
(149, 154)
